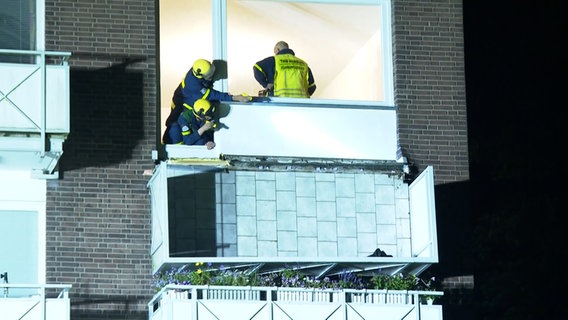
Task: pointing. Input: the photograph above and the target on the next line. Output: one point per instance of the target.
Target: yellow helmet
(202, 107)
(203, 69)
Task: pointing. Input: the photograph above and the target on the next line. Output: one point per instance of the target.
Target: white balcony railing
(34, 306)
(285, 127)
(34, 109)
(179, 302)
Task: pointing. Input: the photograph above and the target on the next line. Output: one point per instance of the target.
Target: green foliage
(226, 277)
(200, 276)
(398, 281)
(291, 278)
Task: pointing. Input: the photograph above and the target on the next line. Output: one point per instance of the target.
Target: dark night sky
(515, 83)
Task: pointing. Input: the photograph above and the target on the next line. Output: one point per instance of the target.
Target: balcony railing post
(43, 103)
(42, 303)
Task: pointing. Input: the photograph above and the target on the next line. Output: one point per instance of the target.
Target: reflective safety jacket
(290, 76)
(189, 90)
(265, 72)
(185, 130)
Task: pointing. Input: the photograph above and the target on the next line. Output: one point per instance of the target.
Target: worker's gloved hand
(213, 123)
(266, 91)
(242, 98)
(207, 125)
(210, 145)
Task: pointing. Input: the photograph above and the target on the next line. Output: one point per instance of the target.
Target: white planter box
(269, 303)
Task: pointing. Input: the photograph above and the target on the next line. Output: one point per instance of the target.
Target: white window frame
(178, 50)
(219, 14)
(21, 193)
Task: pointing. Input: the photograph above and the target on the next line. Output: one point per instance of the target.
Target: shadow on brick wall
(106, 115)
(108, 315)
(97, 307)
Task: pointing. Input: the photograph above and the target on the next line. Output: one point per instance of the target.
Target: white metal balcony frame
(37, 306)
(34, 111)
(293, 128)
(175, 302)
(423, 235)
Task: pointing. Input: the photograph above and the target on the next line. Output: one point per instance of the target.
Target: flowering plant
(289, 277)
(296, 279)
(184, 276)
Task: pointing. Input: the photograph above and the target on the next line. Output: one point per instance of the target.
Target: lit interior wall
(341, 43)
(185, 33)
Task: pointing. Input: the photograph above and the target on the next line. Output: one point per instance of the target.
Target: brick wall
(430, 86)
(432, 119)
(98, 213)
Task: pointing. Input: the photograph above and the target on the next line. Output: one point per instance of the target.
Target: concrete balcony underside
(31, 151)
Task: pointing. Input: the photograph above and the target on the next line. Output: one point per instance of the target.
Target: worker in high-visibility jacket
(284, 74)
(197, 84)
(195, 125)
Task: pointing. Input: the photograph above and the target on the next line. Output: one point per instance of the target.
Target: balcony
(315, 184)
(34, 110)
(301, 129)
(32, 302)
(178, 302)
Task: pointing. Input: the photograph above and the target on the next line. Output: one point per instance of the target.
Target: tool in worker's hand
(213, 123)
(246, 95)
(256, 99)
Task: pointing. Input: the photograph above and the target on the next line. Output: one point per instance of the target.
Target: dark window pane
(17, 28)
